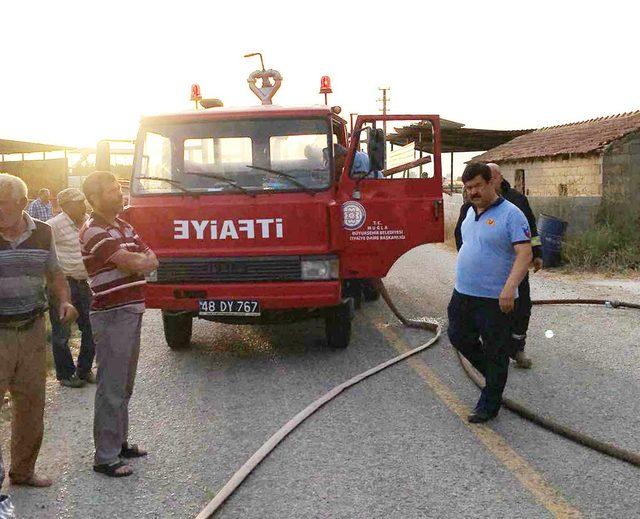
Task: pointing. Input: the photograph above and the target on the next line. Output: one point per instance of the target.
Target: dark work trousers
(81, 299)
(481, 332)
(521, 316)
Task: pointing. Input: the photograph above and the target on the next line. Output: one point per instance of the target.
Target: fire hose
(547, 423)
(432, 326)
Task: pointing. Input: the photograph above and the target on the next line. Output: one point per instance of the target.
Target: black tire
(353, 288)
(177, 330)
(358, 300)
(369, 290)
(337, 325)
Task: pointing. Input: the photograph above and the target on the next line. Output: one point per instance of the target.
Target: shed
(39, 165)
(566, 170)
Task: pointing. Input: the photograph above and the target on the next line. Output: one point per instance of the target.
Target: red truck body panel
(367, 225)
(272, 295)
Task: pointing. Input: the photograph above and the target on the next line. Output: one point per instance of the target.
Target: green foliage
(612, 244)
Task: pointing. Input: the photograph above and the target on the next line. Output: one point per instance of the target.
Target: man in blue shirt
(494, 258)
(360, 166)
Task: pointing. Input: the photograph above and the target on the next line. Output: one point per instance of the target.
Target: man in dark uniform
(522, 313)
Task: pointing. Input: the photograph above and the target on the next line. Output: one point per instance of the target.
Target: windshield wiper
(293, 179)
(222, 178)
(176, 183)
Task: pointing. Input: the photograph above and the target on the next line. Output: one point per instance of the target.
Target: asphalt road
(396, 446)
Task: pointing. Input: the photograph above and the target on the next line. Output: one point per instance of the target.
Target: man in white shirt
(66, 227)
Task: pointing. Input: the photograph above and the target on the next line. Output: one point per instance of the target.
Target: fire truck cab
(254, 221)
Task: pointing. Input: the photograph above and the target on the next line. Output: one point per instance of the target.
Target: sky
(76, 72)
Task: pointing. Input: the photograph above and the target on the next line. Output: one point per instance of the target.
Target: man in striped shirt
(66, 228)
(116, 260)
(27, 259)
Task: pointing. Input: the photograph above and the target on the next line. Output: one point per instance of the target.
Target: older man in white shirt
(66, 227)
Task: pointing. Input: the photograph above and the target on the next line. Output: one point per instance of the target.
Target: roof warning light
(325, 85)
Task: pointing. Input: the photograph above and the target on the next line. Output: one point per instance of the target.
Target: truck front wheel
(177, 329)
(370, 290)
(338, 325)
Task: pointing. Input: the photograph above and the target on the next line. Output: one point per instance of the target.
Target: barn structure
(567, 170)
(39, 165)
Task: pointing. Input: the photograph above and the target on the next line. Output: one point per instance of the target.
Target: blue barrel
(551, 231)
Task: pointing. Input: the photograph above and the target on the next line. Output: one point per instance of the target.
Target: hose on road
(246, 469)
(547, 423)
(432, 326)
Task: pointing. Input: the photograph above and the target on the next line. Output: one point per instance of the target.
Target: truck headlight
(320, 268)
(151, 277)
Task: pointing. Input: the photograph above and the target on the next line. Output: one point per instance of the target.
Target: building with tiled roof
(583, 138)
(566, 170)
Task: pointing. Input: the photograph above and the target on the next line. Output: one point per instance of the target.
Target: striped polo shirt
(24, 262)
(112, 288)
(66, 236)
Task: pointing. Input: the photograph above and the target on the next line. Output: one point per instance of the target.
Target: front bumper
(272, 296)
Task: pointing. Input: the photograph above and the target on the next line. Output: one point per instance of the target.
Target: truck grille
(221, 270)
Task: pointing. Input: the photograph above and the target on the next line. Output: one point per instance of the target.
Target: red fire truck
(252, 221)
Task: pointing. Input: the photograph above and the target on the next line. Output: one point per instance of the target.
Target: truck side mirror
(103, 156)
(376, 149)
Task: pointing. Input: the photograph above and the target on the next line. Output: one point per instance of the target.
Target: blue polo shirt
(360, 162)
(487, 254)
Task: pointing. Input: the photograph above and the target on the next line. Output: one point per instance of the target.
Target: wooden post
(452, 173)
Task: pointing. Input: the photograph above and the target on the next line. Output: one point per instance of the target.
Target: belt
(20, 321)
(18, 326)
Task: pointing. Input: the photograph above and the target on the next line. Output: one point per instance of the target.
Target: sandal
(132, 451)
(111, 469)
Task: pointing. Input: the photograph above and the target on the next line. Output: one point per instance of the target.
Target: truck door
(390, 211)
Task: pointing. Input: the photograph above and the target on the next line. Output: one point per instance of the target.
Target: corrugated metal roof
(455, 137)
(7, 147)
(568, 139)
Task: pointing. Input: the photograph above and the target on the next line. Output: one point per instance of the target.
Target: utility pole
(384, 101)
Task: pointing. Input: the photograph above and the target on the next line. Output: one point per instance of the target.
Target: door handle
(437, 204)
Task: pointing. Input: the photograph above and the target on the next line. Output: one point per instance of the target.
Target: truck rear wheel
(338, 326)
(177, 329)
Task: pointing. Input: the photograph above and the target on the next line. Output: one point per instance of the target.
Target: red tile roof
(576, 138)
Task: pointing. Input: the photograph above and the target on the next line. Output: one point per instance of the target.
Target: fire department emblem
(353, 215)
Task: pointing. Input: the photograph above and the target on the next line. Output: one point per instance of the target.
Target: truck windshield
(214, 156)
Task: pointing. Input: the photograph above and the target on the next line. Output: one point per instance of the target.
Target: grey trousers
(117, 337)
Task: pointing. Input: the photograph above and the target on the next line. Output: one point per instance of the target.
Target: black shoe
(72, 381)
(481, 416)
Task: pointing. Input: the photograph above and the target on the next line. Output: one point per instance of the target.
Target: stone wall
(578, 211)
(577, 176)
(621, 169)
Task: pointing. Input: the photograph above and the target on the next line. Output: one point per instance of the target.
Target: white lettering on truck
(229, 229)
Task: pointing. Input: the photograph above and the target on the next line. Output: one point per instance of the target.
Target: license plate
(229, 307)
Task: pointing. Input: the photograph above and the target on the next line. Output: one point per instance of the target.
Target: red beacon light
(325, 85)
(195, 92)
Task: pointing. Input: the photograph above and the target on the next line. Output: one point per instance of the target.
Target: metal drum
(551, 231)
